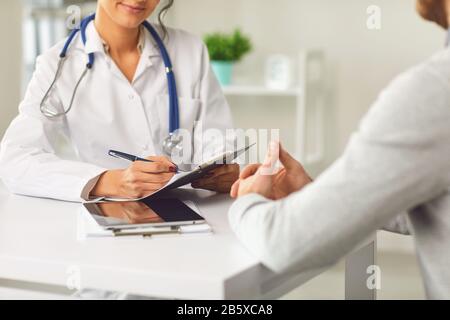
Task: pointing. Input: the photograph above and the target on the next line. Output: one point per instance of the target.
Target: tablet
(154, 212)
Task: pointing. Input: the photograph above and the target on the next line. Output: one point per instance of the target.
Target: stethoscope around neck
(173, 142)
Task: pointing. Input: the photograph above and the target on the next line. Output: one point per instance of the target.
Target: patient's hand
(268, 181)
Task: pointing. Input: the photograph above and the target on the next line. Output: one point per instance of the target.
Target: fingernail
(273, 144)
(274, 147)
(173, 169)
(267, 160)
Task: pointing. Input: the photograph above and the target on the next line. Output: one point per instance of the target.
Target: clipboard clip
(146, 233)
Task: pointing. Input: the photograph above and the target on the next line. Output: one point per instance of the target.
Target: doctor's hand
(268, 181)
(220, 179)
(138, 180)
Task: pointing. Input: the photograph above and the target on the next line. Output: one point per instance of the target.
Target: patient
(398, 161)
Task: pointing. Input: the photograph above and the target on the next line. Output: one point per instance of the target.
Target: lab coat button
(131, 96)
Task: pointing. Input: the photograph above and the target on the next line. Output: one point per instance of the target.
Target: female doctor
(112, 87)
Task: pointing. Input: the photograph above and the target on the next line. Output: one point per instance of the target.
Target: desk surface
(39, 243)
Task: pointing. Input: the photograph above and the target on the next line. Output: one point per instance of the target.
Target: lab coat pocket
(189, 110)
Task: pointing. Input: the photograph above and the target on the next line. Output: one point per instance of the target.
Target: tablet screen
(149, 212)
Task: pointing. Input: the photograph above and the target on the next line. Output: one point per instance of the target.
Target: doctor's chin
(224, 159)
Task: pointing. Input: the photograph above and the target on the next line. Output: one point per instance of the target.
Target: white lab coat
(109, 112)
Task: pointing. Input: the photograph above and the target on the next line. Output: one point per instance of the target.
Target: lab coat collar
(149, 50)
(95, 44)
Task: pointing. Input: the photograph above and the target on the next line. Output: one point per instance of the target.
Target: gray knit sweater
(397, 161)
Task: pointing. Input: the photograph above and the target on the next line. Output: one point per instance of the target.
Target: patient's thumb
(271, 159)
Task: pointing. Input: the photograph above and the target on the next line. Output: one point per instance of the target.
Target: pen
(130, 157)
(126, 156)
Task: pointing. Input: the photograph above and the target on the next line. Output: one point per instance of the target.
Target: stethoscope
(173, 141)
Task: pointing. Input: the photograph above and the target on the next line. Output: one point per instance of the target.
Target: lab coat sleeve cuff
(90, 184)
(240, 207)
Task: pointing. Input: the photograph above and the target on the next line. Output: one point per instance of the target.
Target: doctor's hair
(162, 14)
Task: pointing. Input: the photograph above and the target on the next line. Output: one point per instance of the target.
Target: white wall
(10, 60)
(361, 62)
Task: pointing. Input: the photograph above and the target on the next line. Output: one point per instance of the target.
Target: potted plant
(225, 50)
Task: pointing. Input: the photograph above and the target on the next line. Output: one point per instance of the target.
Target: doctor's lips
(131, 8)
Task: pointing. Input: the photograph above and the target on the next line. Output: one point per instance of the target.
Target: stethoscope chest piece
(173, 145)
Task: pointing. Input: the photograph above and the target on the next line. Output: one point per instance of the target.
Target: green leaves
(227, 47)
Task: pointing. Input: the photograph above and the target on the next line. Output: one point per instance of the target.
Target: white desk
(38, 243)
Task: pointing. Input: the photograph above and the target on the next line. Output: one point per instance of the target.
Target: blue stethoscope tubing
(174, 122)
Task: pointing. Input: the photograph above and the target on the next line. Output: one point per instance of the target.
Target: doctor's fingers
(217, 179)
(225, 170)
(162, 159)
(220, 184)
(208, 185)
(154, 167)
(144, 177)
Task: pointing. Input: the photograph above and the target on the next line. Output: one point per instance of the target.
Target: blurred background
(313, 70)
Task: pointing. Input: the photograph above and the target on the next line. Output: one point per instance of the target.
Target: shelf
(244, 90)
